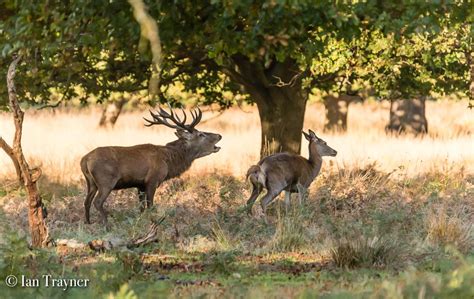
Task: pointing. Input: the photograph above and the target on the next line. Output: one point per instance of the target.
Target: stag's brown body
(287, 172)
(143, 166)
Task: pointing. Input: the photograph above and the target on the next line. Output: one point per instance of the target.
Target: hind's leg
(91, 191)
(287, 200)
(269, 197)
(302, 193)
(256, 190)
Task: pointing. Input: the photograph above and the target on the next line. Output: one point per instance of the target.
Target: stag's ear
(312, 134)
(306, 135)
(183, 134)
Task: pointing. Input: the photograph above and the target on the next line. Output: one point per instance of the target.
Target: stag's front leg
(150, 194)
(142, 199)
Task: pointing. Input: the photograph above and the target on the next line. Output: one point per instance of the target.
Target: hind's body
(289, 172)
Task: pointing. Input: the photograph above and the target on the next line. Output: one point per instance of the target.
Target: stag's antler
(162, 117)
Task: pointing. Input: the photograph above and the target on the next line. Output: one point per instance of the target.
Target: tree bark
(281, 100)
(111, 112)
(470, 62)
(408, 116)
(36, 212)
(281, 113)
(337, 109)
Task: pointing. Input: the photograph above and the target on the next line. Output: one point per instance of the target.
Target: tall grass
(56, 140)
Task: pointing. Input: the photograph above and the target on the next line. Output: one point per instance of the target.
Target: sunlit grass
(57, 140)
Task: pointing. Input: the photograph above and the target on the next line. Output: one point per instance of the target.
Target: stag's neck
(315, 160)
(179, 159)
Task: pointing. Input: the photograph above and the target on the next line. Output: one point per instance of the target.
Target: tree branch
(9, 151)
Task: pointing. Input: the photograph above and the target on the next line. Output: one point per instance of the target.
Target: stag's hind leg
(91, 192)
(99, 201)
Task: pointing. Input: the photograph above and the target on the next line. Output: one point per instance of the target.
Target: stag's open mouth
(217, 148)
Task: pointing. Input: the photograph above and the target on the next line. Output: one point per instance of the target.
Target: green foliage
(70, 49)
(223, 262)
(95, 47)
(123, 293)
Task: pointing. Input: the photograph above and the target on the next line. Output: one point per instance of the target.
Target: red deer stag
(145, 166)
(289, 172)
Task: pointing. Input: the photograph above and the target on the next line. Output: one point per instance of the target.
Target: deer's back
(130, 163)
(286, 169)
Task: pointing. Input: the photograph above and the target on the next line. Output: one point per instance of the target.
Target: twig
(292, 81)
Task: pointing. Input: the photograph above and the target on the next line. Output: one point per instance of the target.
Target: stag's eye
(201, 134)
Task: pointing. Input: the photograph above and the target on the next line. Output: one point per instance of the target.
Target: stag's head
(200, 143)
(321, 146)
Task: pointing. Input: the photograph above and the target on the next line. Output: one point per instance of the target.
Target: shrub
(365, 252)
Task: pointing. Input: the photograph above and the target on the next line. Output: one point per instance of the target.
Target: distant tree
(416, 67)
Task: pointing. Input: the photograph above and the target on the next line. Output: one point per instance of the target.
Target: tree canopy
(272, 52)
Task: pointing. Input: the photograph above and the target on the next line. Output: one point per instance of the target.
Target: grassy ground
(390, 217)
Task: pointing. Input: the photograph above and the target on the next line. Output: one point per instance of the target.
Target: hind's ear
(306, 135)
(183, 134)
(312, 134)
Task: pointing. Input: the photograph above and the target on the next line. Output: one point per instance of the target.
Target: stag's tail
(256, 176)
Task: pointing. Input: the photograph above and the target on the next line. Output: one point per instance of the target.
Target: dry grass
(376, 206)
(57, 140)
(454, 229)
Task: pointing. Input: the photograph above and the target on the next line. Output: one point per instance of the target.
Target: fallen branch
(150, 237)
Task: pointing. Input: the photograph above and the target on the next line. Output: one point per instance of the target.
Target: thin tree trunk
(36, 215)
(111, 112)
(408, 116)
(470, 62)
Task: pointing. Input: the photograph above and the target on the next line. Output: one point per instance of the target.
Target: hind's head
(320, 145)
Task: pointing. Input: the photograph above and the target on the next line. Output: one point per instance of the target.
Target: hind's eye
(201, 134)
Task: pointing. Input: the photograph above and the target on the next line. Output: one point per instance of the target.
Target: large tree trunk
(36, 211)
(277, 90)
(408, 116)
(337, 109)
(281, 113)
(111, 112)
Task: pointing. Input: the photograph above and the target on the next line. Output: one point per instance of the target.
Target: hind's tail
(256, 175)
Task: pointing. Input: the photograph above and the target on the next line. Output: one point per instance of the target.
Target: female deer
(289, 172)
